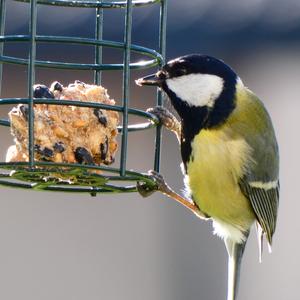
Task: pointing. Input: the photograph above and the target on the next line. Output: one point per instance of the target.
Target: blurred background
(62, 246)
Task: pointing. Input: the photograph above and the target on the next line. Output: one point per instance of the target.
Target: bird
(230, 156)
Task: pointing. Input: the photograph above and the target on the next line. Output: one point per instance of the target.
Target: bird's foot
(166, 118)
(160, 185)
(163, 187)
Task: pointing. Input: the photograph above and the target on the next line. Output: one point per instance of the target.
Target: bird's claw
(165, 117)
(160, 185)
(159, 179)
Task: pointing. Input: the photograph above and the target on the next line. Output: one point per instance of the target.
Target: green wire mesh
(63, 177)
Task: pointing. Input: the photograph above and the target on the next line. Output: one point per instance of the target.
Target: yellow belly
(219, 160)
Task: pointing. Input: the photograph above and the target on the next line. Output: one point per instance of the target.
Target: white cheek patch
(197, 89)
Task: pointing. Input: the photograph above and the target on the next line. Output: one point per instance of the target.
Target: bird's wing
(260, 183)
(264, 199)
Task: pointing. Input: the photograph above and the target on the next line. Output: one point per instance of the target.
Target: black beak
(149, 80)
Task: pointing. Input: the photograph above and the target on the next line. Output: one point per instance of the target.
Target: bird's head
(196, 81)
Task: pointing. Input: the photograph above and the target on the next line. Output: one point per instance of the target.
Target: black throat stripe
(194, 119)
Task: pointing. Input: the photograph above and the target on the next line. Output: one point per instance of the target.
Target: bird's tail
(235, 254)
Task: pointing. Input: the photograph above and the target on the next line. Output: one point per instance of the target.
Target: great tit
(228, 148)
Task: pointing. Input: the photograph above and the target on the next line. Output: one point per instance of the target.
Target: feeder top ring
(94, 3)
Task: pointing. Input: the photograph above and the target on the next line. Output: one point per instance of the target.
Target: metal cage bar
(31, 78)
(2, 27)
(94, 3)
(30, 175)
(126, 84)
(98, 37)
(162, 50)
(156, 57)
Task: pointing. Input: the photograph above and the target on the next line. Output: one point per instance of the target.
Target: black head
(189, 64)
(197, 81)
(195, 64)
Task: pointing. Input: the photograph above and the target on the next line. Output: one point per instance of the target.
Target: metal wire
(98, 37)
(31, 78)
(2, 26)
(126, 83)
(94, 3)
(162, 50)
(64, 177)
(156, 57)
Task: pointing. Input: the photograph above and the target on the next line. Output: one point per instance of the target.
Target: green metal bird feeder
(38, 175)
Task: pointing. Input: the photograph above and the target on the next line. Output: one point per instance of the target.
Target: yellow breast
(219, 159)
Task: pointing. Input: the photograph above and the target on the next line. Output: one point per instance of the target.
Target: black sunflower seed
(46, 152)
(24, 111)
(100, 116)
(104, 149)
(57, 86)
(83, 156)
(37, 148)
(42, 91)
(59, 147)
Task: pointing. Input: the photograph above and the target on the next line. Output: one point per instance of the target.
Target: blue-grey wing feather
(261, 184)
(265, 205)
